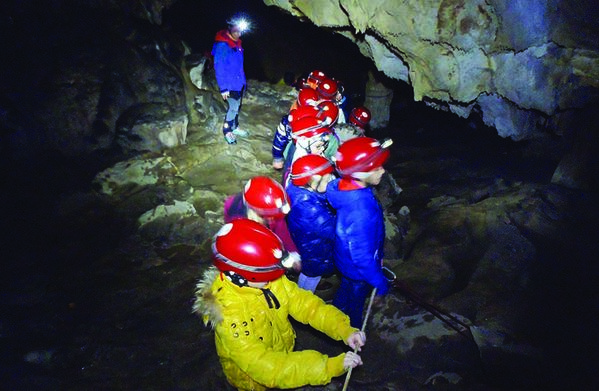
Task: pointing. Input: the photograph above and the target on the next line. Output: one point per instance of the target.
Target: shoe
(240, 132)
(230, 138)
(323, 286)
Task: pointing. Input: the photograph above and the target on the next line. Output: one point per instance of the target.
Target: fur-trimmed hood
(205, 304)
(252, 333)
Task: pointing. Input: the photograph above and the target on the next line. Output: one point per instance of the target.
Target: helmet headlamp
(240, 24)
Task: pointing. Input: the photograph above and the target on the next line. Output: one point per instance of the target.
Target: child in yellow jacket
(247, 300)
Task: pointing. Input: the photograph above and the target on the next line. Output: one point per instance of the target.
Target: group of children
(322, 218)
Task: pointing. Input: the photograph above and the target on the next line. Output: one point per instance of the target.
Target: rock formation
(518, 63)
(104, 247)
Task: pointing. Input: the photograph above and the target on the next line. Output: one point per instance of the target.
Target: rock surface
(104, 247)
(477, 232)
(517, 63)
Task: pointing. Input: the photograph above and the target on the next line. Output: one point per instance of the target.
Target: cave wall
(526, 67)
(520, 64)
(74, 70)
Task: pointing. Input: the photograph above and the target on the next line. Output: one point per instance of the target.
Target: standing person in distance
(230, 75)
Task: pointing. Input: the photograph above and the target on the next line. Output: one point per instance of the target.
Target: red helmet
(360, 116)
(315, 77)
(307, 166)
(301, 83)
(303, 112)
(307, 97)
(308, 127)
(358, 156)
(266, 197)
(328, 112)
(249, 249)
(327, 89)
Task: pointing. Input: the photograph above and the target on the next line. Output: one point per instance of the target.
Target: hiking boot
(230, 138)
(240, 132)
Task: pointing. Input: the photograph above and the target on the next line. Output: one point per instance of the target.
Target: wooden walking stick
(363, 328)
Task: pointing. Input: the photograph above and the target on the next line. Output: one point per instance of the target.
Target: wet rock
(135, 172)
(414, 334)
(197, 67)
(151, 128)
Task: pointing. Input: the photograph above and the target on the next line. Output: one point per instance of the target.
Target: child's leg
(308, 283)
(350, 299)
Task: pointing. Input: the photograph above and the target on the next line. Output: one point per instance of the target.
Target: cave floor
(98, 320)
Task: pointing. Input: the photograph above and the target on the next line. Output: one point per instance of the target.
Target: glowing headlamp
(241, 23)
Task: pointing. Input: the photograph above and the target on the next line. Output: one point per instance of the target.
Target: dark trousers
(350, 299)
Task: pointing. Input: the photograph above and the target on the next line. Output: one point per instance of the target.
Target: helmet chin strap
(258, 285)
(238, 280)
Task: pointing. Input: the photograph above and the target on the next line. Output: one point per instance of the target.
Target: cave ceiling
(518, 63)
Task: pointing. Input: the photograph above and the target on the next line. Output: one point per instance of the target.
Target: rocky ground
(102, 258)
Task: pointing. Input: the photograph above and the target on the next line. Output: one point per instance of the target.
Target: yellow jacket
(255, 340)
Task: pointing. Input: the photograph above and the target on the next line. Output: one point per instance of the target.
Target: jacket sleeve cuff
(349, 332)
(335, 365)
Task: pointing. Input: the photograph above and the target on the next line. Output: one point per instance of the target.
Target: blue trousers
(231, 118)
(350, 299)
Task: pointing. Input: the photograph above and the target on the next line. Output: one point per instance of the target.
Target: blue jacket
(228, 63)
(360, 235)
(311, 223)
(281, 139)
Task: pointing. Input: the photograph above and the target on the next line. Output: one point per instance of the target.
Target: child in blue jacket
(360, 226)
(230, 75)
(311, 220)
